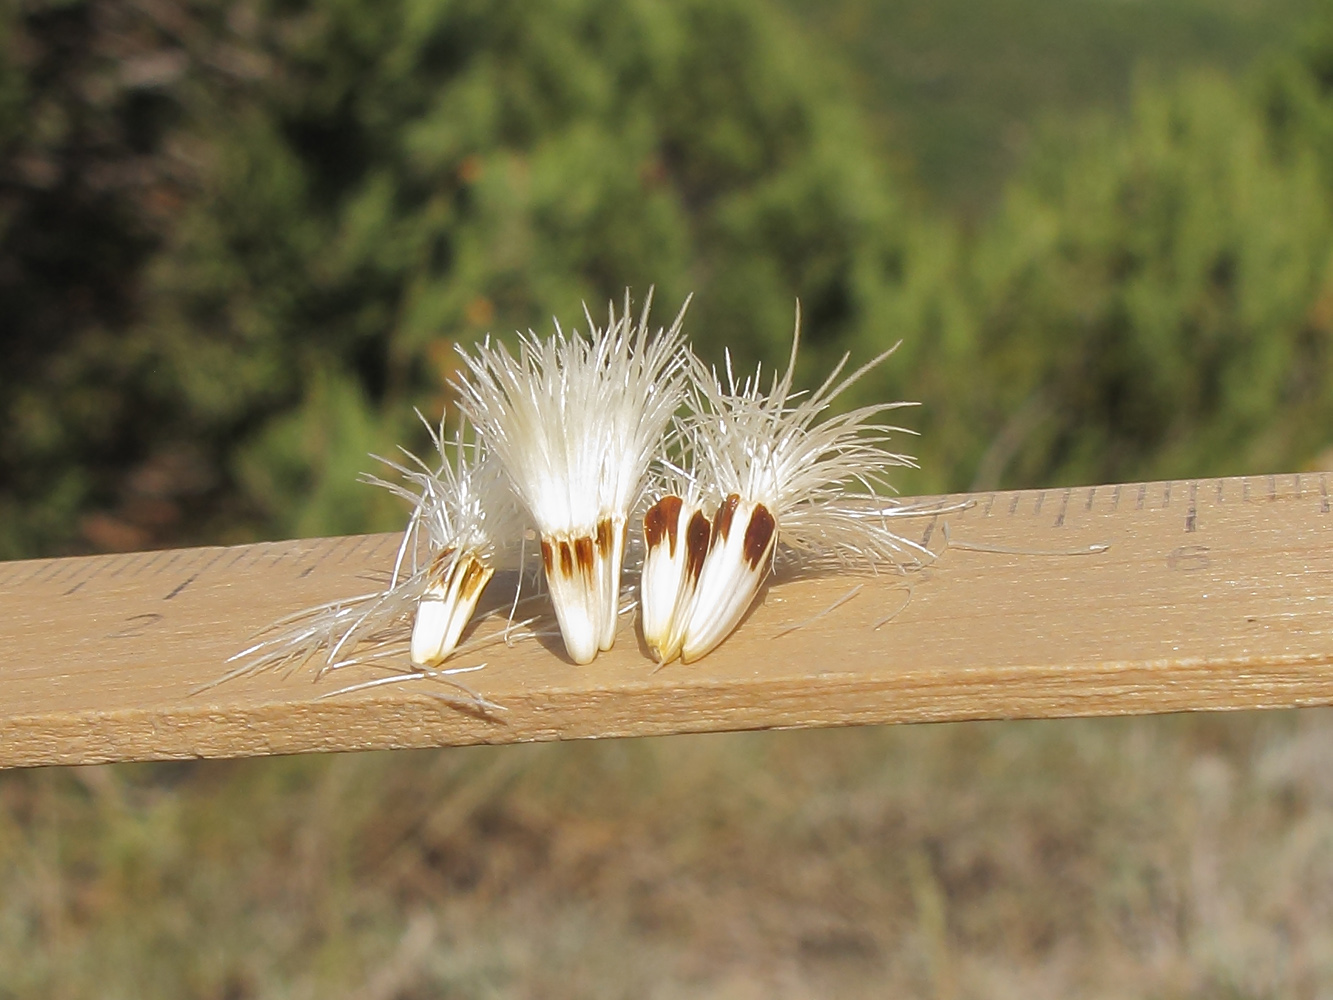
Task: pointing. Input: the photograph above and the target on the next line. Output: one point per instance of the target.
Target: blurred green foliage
(377, 180)
(959, 90)
(238, 241)
(1153, 299)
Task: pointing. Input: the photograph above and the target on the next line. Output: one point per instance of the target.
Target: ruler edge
(1107, 689)
(378, 707)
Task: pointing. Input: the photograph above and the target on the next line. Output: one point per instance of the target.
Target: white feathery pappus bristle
(575, 421)
(773, 471)
(465, 523)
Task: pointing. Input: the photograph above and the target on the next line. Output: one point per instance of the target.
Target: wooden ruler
(1211, 594)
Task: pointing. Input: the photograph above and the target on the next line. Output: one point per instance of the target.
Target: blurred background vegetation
(237, 243)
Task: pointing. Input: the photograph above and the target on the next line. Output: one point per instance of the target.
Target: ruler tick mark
(990, 502)
(168, 563)
(123, 565)
(1272, 487)
(357, 543)
(1092, 492)
(1041, 498)
(1013, 506)
(1143, 492)
(73, 572)
(96, 572)
(323, 554)
(156, 557)
(1166, 496)
(262, 553)
(209, 565)
(1323, 489)
(49, 569)
(181, 586)
(37, 571)
(1064, 508)
(1115, 499)
(1192, 516)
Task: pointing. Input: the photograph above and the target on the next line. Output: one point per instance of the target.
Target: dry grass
(1167, 857)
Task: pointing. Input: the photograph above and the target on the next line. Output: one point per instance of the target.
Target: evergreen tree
(1152, 301)
(85, 99)
(397, 176)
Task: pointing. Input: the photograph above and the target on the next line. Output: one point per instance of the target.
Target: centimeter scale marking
(1210, 594)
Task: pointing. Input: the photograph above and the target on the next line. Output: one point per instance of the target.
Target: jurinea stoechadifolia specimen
(567, 440)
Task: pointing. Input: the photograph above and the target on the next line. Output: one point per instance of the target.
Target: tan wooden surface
(1213, 594)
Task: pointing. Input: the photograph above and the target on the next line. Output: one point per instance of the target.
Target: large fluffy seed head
(575, 419)
(465, 523)
(776, 468)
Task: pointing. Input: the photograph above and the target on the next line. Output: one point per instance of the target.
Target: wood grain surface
(1211, 594)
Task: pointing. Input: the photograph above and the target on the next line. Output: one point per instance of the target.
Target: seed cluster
(623, 457)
